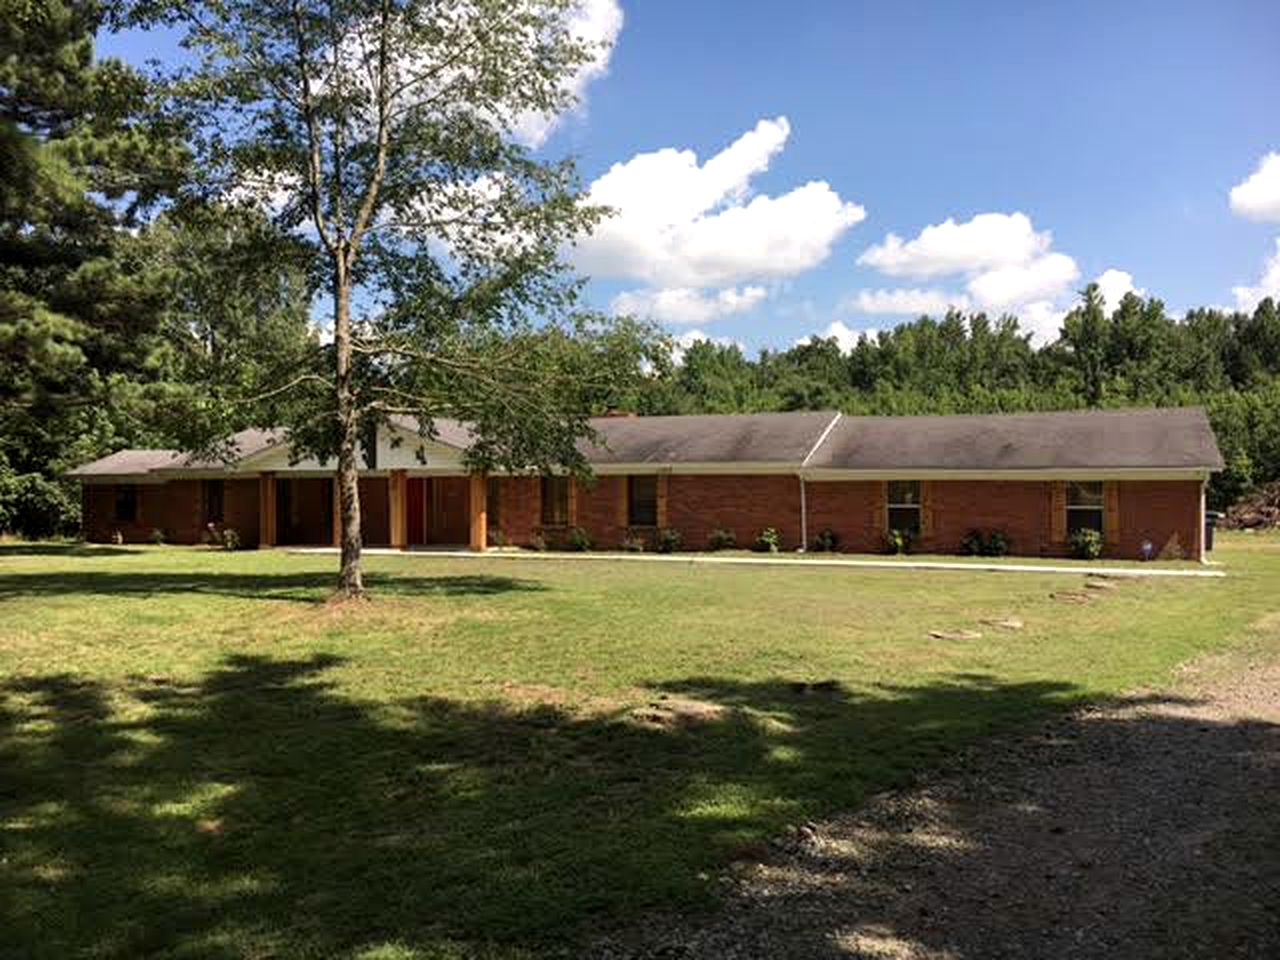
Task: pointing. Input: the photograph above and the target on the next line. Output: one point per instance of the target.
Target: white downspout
(804, 518)
(804, 507)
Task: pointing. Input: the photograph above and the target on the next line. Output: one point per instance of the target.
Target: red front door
(450, 520)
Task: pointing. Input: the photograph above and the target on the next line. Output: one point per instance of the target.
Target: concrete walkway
(789, 560)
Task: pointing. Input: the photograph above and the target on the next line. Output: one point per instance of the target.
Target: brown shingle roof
(1171, 438)
(711, 438)
(1174, 437)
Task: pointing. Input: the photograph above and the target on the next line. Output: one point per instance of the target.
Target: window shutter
(662, 499)
(926, 509)
(573, 501)
(1058, 512)
(879, 508)
(1111, 513)
(624, 506)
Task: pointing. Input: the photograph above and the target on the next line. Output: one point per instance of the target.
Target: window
(126, 503)
(642, 501)
(904, 506)
(555, 501)
(213, 501)
(1084, 505)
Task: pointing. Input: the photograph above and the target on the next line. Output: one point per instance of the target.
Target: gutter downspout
(804, 506)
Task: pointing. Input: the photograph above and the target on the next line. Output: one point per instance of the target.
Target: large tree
(384, 131)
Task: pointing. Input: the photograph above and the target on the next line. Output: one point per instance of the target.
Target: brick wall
(1158, 511)
(1155, 510)
(697, 505)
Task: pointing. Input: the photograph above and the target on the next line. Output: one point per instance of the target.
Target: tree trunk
(350, 577)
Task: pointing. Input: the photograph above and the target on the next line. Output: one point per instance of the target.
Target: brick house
(1137, 476)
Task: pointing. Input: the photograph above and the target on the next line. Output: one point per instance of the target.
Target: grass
(199, 757)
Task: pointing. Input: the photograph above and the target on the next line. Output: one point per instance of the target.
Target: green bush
(898, 541)
(579, 539)
(157, 536)
(721, 539)
(826, 541)
(973, 544)
(538, 542)
(669, 540)
(230, 538)
(769, 540)
(1086, 544)
(36, 507)
(997, 545)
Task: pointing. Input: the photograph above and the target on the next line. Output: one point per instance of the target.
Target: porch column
(337, 513)
(267, 509)
(397, 512)
(478, 501)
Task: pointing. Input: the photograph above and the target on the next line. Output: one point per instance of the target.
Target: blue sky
(1117, 129)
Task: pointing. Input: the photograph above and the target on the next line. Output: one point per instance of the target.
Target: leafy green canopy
(383, 135)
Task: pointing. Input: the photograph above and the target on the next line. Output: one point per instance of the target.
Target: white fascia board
(1097, 473)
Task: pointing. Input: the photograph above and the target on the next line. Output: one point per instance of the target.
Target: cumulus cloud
(1258, 197)
(1113, 285)
(988, 241)
(688, 305)
(598, 24)
(1247, 298)
(681, 224)
(680, 345)
(905, 301)
(1007, 265)
(846, 337)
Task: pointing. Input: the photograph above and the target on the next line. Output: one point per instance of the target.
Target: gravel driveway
(1146, 829)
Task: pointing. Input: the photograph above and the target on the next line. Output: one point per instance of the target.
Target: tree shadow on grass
(63, 550)
(296, 587)
(261, 810)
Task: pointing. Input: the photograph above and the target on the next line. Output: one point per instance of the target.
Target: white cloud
(1021, 283)
(1042, 319)
(1008, 267)
(686, 304)
(1258, 197)
(846, 337)
(905, 301)
(597, 23)
(1247, 298)
(679, 223)
(680, 345)
(1113, 285)
(988, 241)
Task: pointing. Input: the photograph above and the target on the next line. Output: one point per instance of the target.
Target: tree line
(1134, 355)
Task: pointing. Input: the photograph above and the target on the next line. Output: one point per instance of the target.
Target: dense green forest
(1135, 356)
(128, 296)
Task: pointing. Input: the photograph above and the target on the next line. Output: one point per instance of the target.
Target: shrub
(538, 542)
(769, 540)
(633, 542)
(898, 541)
(230, 538)
(1172, 550)
(973, 544)
(496, 538)
(826, 541)
(1086, 544)
(721, 539)
(997, 545)
(669, 540)
(36, 507)
(579, 539)
(157, 536)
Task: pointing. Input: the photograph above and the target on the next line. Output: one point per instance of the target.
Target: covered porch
(398, 509)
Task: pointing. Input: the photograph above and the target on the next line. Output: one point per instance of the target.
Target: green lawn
(200, 758)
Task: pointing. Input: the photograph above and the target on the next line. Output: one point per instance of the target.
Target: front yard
(200, 758)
